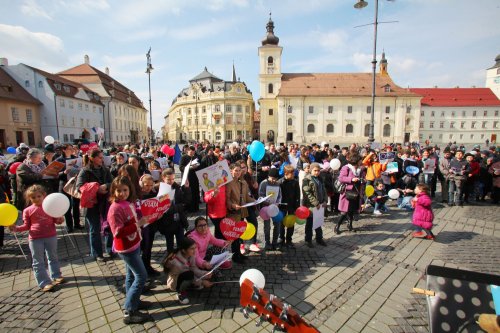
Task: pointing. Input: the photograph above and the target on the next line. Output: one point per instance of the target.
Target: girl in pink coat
(423, 215)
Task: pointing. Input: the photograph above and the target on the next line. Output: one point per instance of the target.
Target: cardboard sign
(88, 146)
(163, 161)
(386, 157)
(214, 176)
(154, 208)
(232, 230)
(74, 163)
(53, 169)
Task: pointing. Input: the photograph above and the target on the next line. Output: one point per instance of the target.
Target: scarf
(36, 168)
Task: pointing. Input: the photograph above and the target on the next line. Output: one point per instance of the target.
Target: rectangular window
(441, 124)
(15, 114)
(65, 137)
(72, 137)
(462, 124)
(464, 113)
(330, 109)
(229, 120)
(452, 124)
(29, 115)
(229, 135)
(70, 104)
(80, 107)
(421, 124)
(369, 109)
(432, 113)
(217, 121)
(27, 83)
(86, 107)
(189, 122)
(270, 112)
(203, 121)
(88, 123)
(430, 136)
(311, 109)
(228, 108)
(239, 108)
(484, 124)
(474, 113)
(472, 136)
(349, 109)
(431, 124)
(81, 122)
(93, 108)
(461, 136)
(387, 109)
(473, 125)
(496, 113)
(61, 102)
(451, 136)
(485, 113)
(495, 124)
(422, 113)
(442, 113)
(453, 113)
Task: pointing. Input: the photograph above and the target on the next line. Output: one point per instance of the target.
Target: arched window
(329, 128)
(289, 121)
(349, 129)
(270, 88)
(367, 130)
(217, 136)
(270, 60)
(310, 128)
(387, 130)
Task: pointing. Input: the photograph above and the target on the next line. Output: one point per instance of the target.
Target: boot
(349, 225)
(339, 222)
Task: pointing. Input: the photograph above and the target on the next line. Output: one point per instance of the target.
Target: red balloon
(302, 213)
(164, 149)
(171, 151)
(13, 167)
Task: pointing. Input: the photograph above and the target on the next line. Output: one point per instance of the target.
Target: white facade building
(68, 111)
(462, 115)
(493, 77)
(332, 107)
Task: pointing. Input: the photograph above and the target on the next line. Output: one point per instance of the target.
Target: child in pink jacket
(423, 215)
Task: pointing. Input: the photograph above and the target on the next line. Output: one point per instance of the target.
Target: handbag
(70, 188)
(338, 186)
(352, 194)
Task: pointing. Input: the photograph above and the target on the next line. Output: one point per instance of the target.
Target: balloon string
(219, 282)
(69, 236)
(20, 247)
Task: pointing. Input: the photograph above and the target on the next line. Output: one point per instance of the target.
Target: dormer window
(387, 88)
(66, 88)
(27, 83)
(58, 86)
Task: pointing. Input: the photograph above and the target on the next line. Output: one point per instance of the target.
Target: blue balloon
(278, 218)
(11, 150)
(412, 170)
(257, 151)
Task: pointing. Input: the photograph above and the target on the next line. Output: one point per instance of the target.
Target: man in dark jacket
(194, 205)
(459, 169)
(290, 201)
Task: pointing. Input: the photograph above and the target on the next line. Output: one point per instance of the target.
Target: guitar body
(272, 310)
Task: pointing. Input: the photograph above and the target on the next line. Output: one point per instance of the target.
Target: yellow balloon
(369, 190)
(289, 220)
(249, 232)
(8, 214)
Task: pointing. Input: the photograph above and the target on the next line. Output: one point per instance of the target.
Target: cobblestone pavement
(361, 282)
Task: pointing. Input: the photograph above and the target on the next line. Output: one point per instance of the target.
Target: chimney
(106, 70)
(86, 59)
(4, 62)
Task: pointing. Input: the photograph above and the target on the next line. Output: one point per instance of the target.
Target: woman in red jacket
(470, 188)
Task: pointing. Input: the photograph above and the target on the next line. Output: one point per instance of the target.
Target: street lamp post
(195, 95)
(149, 68)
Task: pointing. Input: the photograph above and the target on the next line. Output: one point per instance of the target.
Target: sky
(444, 43)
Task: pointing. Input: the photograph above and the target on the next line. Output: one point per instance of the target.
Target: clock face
(270, 70)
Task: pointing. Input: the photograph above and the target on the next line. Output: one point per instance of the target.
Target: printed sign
(214, 176)
(154, 208)
(429, 165)
(232, 230)
(392, 167)
(163, 161)
(74, 163)
(272, 192)
(85, 147)
(53, 169)
(386, 157)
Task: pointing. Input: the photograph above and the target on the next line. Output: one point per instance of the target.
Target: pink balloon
(263, 213)
(171, 151)
(164, 149)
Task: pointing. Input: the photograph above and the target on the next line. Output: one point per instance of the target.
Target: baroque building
(211, 109)
(333, 107)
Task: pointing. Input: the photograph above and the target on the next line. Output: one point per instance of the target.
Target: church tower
(383, 65)
(269, 83)
(493, 77)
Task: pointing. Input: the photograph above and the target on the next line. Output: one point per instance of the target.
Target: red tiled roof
(338, 84)
(85, 73)
(457, 96)
(10, 89)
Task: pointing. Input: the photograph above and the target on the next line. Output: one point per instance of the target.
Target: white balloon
(255, 276)
(50, 140)
(335, 164)
(272, 210)
(55, 205)
(393, 194)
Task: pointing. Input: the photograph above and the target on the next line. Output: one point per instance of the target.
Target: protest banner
(429, 165)
(392, 167)
(214, 176)
(386, 157)
(154, 208)
(85, 147)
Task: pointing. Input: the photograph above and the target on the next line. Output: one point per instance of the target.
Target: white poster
(429, 165)
(74, 163)
(214, 176)
(272, 192)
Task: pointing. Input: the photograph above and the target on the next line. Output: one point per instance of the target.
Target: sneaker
(377, 212)
(430, 237)
(418, 234)
(242, 249)
(254, 248)
(58, 281)
(182, 298)
(310, 244)
(48, 287)
(134, 317)
(100, 259)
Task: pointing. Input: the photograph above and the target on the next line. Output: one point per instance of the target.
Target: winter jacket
(423, 215)
(216, 204)
(38, 223)
(346, 176)
(178, 264)
(123, 223)
(237, 194)
(310, 192)
(202, 243)
(290, 191)
(373, 169)
(175, 216)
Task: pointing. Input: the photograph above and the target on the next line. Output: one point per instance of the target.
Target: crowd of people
(344, 180)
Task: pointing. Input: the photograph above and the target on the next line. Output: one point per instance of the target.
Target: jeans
(267, 232)
(309, 230)
(455, 191)
(380, 206)
(405, 202)
(40, 247)
(135, 278)
(94, 221)
(148, 237)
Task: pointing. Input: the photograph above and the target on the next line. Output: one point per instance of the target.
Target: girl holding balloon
(42, 238)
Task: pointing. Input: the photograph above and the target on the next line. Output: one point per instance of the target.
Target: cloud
(202, 30)
(217, 5)
(141, 35)
(232, 48)
(136, 12)
(86, 6)
(19, 44)
(31, 8)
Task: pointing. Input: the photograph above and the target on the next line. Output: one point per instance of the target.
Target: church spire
(234, 73)
(383, 65)
(270, 38)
